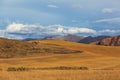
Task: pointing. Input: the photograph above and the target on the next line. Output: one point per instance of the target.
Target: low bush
(62, 68)
(17, 69)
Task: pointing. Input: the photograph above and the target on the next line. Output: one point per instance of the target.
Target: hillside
(93, 49)
(111, 41)
(16, 48)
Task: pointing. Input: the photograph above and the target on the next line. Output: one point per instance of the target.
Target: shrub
(64, 68)
(17, 69)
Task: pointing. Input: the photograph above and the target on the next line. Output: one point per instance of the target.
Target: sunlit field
(93, 63)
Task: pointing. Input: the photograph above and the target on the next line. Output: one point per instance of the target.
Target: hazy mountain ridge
(68, 37)
(99, 40)
(91, 39)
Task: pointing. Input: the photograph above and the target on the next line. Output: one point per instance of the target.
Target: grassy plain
(103, 63)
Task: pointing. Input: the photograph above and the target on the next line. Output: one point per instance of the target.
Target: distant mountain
(28, 39)
(90, 39)
(110, 41)
(99, 40)
(68, 37)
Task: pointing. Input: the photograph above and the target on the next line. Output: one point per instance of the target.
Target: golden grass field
(103, 63)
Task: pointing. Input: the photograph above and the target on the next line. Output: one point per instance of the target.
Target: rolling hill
(94, 49)
(102, 61)
(16, 48)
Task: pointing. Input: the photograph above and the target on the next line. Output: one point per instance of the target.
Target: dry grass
(15, 48)
(61, 75)
(103, 63)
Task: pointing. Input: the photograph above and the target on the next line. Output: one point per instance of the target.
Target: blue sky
(100, 16)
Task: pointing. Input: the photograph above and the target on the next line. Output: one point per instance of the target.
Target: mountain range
(68, 37)
(99, 40)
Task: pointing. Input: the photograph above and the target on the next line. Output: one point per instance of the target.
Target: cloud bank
(108, 31)
(23, 31)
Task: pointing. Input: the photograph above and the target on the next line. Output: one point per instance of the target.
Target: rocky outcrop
(111, 41)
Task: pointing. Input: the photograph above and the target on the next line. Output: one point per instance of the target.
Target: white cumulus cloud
(53, 6)
(22, 31)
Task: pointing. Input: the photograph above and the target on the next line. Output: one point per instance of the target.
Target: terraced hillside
(14, 48)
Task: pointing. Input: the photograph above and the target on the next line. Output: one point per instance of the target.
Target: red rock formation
(111, 41)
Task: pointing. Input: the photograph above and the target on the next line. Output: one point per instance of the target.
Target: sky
(20, 19)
